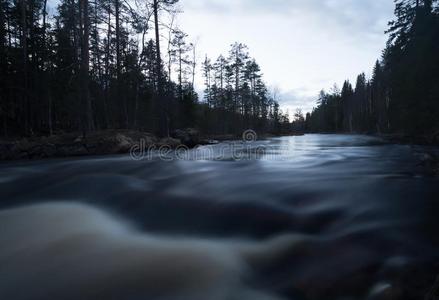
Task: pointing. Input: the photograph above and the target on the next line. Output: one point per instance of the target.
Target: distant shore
(105, 142)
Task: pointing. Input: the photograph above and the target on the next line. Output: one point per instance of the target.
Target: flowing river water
(310, 217)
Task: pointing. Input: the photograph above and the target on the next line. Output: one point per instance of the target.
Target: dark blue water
(311, 217)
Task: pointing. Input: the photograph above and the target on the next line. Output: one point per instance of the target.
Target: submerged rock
(189, 137)
(433, 293)
(384, 291)
(428, 163)
(169, 142)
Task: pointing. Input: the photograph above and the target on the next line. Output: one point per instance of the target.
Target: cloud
(297, 98)
(302, 46)
(365, 16)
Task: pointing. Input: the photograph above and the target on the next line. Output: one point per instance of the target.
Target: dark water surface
(312, 217)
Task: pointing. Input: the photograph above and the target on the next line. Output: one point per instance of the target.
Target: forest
(133, 165)
(113, 64)
(402, 95)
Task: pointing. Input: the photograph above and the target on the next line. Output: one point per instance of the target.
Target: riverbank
(71, 144)
(104, 142)
(424, 139)
(429, 155)
(95, 143)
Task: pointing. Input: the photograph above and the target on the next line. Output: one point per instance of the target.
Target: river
(307, 217)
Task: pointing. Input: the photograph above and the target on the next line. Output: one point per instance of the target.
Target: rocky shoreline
(95, 143)
(425, 139)
(105, 142)
(428, 155)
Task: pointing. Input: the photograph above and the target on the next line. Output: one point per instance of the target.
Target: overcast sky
(302, 46)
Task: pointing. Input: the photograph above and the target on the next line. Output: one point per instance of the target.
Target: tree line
(236, 95)
(402, 96)
(113, 64)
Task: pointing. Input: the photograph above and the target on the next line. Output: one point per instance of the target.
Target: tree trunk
(87, 120)
(237, 74)
(194, 65)
(8, 26)
(3, 65)
(161, 105)
(107, 70)
(49, 96)
(119, 95)
(23, 41)
(77, 36)
(45, 79)
(169, 48)
(180, 75)
(116, 13)
(136, 105)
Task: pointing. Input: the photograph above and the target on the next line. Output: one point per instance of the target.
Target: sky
(302, 46)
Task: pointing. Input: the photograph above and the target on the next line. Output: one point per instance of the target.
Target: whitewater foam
(75, 251)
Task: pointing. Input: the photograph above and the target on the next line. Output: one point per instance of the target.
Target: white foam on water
(74, 251)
